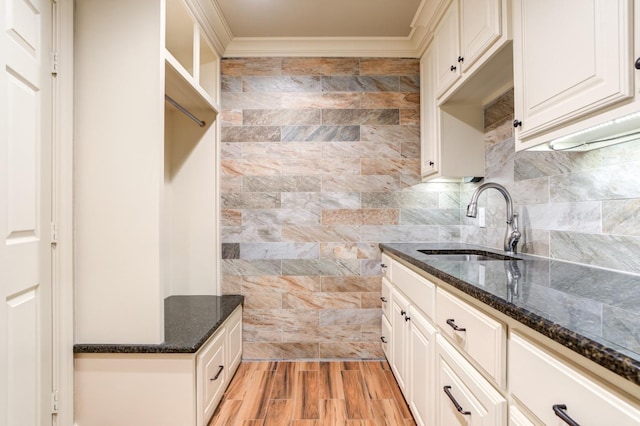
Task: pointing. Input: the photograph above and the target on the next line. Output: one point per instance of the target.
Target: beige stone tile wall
(320, 163)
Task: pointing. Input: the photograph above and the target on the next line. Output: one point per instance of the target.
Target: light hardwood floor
(282, 393)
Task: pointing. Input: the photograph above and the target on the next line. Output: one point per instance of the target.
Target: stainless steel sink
(467, 255)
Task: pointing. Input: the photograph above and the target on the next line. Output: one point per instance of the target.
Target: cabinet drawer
(481, 337)
(463, 396)
(385, 266)
(212, 376)
(540, 381)
(418, 289)
(386, 298)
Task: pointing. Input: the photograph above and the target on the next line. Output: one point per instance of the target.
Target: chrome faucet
(512, 235)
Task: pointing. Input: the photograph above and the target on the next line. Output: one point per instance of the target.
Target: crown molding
(214, 24)
(322, 46)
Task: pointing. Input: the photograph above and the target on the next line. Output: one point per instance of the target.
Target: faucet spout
(512, 235)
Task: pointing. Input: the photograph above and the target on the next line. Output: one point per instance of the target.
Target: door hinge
(54, 402)
(54, 234)
(54, 64)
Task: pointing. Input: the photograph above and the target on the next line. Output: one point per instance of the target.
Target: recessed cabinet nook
(467, 64)
(146, 103)
(460, 362)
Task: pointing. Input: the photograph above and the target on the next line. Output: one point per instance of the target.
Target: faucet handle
(515, 234)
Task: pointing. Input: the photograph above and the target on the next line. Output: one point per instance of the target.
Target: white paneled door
(25, 212)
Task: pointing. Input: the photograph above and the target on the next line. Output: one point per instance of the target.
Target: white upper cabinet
(467, 65)
(480, 27)
(465, 32)
(573, 59)
(429, 146)
(446, 41)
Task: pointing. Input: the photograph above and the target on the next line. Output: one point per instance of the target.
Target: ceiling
(319, 18)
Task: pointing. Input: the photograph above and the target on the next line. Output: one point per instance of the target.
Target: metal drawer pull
(559, 409)
(383, 339)
(220, 368)
(455, 403)
(454, 326)
(384, 299)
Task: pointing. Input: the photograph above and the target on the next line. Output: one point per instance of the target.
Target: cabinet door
(463, 396)
(386, 339)
(446, 43)
(234, 340)
(385, 298)
(480, 27)
(429, 140)
(420, 367)
(399, 310)
(571, 58)
(211, 376)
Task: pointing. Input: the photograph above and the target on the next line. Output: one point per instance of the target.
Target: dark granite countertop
(594, 312)
(188, 322)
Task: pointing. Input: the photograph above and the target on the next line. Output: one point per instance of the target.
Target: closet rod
(184, 111)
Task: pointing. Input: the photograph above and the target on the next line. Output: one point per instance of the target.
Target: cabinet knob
(383, 265)
(460, 59)
(220, 368)
(384, 299)
(403, 313)
(384, 340)
(431, 163)
(559, 410)
(638, 64)
(453, 68)
(406, 318)
(517, 123)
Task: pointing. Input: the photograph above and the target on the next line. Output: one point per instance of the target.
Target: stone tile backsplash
(582, 207)
(321, 162)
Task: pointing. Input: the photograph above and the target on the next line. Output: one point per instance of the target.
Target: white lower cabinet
(463, 396)
(557, 394)
(420, 367)
(411, 343)
(475, 367)
(211, 376)
(412, 357)
(215, 364)
(160, 389)
(400, 332)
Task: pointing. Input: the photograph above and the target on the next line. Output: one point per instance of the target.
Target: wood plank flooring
(319, 393)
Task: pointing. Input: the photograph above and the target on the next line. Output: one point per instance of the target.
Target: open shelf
(183, 88)
(190, 59)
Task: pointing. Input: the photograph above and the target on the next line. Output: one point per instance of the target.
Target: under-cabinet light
(623, 129)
